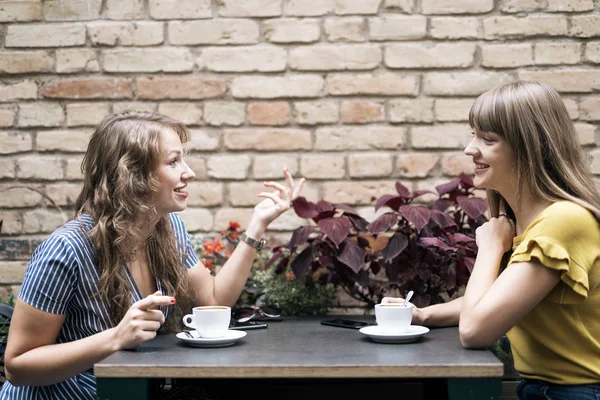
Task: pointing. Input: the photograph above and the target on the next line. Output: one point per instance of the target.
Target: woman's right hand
(142, 321)
(417, 318)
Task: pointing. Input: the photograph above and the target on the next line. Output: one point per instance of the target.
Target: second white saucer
(413, 333)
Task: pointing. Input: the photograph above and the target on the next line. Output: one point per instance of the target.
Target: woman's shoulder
(177, 222)
(568, 212)
(73, 231)
(568, 220)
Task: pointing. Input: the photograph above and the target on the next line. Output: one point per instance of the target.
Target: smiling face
(172, 175)
(494, 162)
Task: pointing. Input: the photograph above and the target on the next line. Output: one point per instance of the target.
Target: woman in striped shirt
(108, 279)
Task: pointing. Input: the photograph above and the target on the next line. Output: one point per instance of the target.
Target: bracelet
(257, 244)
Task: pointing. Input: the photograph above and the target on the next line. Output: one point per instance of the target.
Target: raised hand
(141, 321)
(498, 233)
(277, 202)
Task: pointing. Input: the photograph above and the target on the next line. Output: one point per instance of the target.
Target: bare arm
(492, 307)
(493, 304)
(227, 286)
(34, 359)
(444, 314)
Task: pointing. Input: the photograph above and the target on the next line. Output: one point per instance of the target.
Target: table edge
(381, 371)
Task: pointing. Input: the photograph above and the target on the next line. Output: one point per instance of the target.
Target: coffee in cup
(393, 317)
(209, 321)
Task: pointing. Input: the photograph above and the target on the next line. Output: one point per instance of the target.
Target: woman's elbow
(11, 373)
(473, 337)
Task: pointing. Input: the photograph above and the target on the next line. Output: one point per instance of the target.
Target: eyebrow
(173, 151)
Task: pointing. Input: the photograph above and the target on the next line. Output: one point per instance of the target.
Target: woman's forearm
(474, 313)
(482, 278)
(231, 279)
(438, 315)
(50, 364)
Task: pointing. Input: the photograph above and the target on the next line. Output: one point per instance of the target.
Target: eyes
(175, 158)
(484, 136)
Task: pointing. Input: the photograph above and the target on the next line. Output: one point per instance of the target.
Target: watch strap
(257, 244)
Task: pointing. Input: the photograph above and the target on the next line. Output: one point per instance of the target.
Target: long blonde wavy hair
(533, 120)
(119, 169)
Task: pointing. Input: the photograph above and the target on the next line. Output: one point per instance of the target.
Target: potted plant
(428, 248)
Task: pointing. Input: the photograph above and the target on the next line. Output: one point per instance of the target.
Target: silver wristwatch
(257, 244)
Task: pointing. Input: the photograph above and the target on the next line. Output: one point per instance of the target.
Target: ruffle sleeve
(574, 285)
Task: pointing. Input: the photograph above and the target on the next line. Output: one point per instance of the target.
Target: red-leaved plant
(429, 249)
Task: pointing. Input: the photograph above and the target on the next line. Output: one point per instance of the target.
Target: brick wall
(351, 94)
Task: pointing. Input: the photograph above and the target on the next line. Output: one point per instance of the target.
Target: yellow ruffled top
(559, 340)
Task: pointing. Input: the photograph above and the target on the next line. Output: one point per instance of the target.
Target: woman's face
(173, 175)
(494, 161)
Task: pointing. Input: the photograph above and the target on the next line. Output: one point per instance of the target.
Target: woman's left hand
(277, 202)
(498, 232)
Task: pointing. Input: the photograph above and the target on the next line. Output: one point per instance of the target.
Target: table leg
(122, 388)
(475, 388)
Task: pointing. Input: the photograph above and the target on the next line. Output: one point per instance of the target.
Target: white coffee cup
(209, 321)
(393, 317)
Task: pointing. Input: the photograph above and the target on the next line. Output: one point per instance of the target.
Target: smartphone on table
(346, 323)
(247, 325)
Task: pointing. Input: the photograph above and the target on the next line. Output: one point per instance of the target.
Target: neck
(526, 208)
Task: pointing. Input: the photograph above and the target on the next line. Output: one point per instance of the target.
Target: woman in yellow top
(544, 207)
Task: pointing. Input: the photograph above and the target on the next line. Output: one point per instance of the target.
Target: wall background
(351, 94)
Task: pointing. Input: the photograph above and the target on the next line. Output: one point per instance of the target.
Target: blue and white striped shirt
(62, 278)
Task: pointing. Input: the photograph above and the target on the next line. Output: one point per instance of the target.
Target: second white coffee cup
(393, 318)
(209, 321)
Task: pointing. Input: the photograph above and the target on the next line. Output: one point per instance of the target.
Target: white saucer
(230, 338)
(414, 332)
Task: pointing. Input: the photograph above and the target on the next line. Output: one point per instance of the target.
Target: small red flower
(233, 225)
(218, 245)
(208, 264)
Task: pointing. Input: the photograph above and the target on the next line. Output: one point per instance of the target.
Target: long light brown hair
(119, 169)
(533, 120)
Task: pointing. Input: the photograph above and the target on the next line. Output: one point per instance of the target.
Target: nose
(188, 173)
(471, 149)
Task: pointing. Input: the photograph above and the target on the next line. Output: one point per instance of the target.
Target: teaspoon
(408, 297)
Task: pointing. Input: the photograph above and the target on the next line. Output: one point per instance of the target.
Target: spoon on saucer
(408, 297)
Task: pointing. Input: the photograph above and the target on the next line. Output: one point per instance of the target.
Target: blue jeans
(530, 389)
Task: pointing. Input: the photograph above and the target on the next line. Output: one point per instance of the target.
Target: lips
(180, 191)
(480, 168)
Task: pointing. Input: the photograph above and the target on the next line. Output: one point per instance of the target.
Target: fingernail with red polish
(173, 301)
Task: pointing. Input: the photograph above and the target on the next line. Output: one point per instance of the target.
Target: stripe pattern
(62, 278)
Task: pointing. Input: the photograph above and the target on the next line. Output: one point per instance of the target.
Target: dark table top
(300, 347)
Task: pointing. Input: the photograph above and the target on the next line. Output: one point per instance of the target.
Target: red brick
(180, 87)
(361, 111)
(275, 113)
(89, 88)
